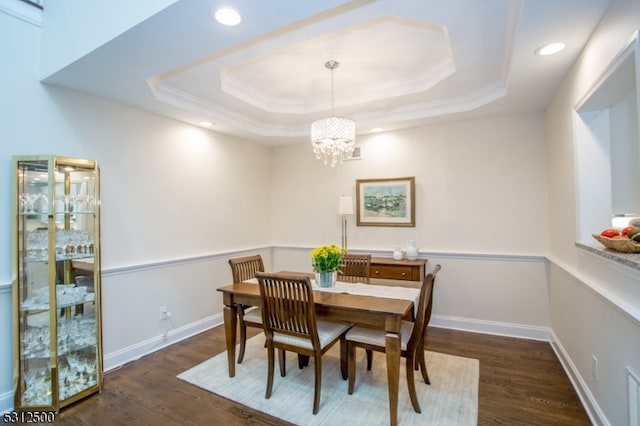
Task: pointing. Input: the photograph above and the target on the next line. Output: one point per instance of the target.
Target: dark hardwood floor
(521, 383)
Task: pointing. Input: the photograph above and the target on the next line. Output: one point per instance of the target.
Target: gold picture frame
(386, 202)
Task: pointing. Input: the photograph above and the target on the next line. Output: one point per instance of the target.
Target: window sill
(631, 260)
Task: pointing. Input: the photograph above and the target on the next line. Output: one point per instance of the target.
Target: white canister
(397, 253)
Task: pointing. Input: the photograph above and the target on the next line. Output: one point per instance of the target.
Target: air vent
(356, 154)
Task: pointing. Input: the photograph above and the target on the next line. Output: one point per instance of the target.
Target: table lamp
(345, 208)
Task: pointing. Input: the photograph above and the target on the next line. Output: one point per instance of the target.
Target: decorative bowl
(620, 244)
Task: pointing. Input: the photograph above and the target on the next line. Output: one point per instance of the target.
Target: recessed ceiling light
(205, 123)
(376, 129)
(550, 49)
(227, 16)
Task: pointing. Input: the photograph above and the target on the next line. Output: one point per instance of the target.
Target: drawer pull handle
(404, 274)
(377, 272)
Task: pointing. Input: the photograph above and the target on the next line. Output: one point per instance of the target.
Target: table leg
(230, 314)
(392, 343)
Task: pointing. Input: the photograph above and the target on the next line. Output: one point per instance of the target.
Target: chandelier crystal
(332, 137)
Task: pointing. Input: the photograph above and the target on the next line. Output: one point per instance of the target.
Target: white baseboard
(492, 327)
(589, 403)
(117, 359)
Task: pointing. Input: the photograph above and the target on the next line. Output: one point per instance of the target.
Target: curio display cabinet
(56, 282)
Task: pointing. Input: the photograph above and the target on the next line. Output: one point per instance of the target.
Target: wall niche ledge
(632, 260)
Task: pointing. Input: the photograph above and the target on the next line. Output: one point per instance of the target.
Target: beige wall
(481, 212)
(480, 188)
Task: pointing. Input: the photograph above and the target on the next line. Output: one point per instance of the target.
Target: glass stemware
(28, 201)
(85, 203)
(70, 242)
(38, 387)
(41, 244)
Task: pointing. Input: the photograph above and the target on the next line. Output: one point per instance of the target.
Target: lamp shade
(345, 205)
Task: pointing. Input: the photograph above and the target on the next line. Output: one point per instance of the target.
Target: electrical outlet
(164, 312)
(594, 367)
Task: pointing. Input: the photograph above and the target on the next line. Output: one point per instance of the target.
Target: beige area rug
(451, 399)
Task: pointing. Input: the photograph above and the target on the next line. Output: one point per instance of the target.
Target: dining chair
(412, 341)
(290, 324)
(420, 361)
(355, 265)
(243, 269)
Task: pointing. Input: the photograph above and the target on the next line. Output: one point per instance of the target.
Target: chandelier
(332, 137)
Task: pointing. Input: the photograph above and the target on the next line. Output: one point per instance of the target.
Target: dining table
(376, 302)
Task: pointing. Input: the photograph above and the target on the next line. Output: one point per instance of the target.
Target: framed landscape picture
(386, 202)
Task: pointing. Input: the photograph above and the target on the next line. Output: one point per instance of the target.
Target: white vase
(412, 250)
(326, 279)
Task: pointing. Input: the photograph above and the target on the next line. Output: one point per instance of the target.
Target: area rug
(451, 399)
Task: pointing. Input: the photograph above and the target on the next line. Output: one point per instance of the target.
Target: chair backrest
(287, 306)
(245, 268)
(424, 308)
(356, 265)
(430, 304)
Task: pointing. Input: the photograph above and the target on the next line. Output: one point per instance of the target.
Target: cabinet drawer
(396, 272)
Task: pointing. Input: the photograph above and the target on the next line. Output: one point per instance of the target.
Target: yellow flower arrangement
(327, 258)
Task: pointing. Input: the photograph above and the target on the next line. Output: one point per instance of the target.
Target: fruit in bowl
(613, 239)
(610, 233)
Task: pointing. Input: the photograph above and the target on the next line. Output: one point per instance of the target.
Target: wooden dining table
(381, 312)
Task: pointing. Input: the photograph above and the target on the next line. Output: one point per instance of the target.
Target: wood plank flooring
(521, 383)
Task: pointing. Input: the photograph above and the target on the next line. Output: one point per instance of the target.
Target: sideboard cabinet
(387, 267)
(57, 355)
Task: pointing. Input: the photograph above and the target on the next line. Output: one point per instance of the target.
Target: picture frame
(386, 202)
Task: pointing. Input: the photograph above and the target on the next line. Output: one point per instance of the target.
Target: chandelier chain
(332, 65)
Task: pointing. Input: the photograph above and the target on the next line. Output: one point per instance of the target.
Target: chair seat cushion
(375, 337)
(253, 315)
(327, 332)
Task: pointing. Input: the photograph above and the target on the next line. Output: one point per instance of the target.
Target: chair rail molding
(125, 269)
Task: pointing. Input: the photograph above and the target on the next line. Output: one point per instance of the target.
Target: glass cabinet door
(57, 330)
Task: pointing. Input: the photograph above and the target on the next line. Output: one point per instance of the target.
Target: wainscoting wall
(494, 294)
(497, 294)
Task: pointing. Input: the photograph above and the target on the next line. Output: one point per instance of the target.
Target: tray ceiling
(403, 63)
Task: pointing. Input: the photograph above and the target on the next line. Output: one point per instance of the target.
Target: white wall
(595, 308)
(98, 21)
(174, 208)
(176, 203)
